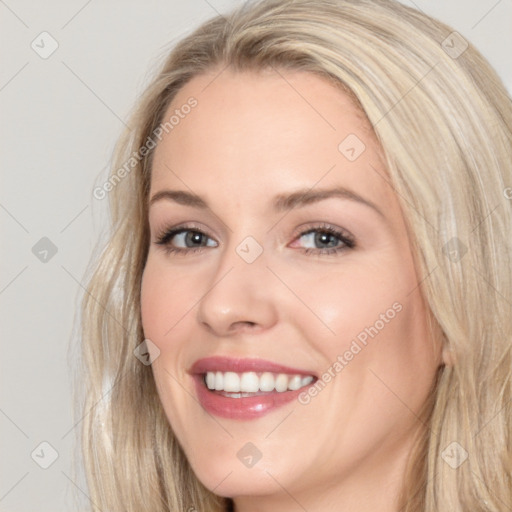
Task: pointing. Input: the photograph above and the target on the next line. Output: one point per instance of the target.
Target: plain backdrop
(60, 117)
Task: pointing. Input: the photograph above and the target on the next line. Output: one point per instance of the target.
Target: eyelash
(166, 237)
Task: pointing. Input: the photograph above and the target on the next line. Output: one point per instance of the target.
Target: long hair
(444, 120)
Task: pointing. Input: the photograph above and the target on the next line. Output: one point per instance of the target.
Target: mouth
(246, 388)
(239, 385)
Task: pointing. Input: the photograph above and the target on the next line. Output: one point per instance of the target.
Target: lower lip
(244, 408)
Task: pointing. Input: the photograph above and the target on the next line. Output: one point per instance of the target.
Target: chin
(239, 482)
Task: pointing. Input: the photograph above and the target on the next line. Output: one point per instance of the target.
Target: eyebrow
(280, 203)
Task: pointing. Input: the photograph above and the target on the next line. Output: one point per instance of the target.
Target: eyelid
(323, 226)
(192, 226)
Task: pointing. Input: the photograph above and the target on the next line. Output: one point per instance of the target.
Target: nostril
(242, 325)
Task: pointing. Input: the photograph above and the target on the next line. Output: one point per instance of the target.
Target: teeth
(295, 383)
(249, 382)
(306, 380)
(210, 380)
(266, 382)
(252, 382)
(219, 381)
(281, 383)
(231, 382)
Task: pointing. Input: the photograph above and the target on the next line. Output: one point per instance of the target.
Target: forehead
(254, 134)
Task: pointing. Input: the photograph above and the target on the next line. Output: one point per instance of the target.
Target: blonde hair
(444, 120)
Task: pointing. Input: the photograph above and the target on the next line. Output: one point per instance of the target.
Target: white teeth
(219, 381)
(210, 380)
(267, 382)
(295, 383)
(231, 382)
(252, 382)
(249, 382)
(306, 380)
(281, 383)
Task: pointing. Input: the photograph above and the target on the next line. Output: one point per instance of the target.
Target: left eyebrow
(281, 202)
(302, 197)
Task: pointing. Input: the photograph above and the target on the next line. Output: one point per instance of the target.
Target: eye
(196, 239)
(192, 240)
(331, 240)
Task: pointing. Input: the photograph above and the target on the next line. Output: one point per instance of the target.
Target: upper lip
(241, 365)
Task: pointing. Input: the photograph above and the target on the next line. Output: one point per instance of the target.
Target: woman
(233, 361)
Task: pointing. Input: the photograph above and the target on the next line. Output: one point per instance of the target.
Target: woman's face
(252, 293)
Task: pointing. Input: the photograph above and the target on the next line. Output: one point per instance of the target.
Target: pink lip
(239, 365)
(245, 408)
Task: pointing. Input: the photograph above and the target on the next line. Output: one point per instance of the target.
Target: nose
(238, 297)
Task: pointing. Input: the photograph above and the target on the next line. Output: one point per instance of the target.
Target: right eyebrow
(181, 197)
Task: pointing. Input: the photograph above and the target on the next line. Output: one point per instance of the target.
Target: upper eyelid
(303, 230)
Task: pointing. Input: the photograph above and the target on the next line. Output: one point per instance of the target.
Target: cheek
(378, 322)
(164, 304)
(351, 300)
(165, 300)
(152, 303)
(380, 363)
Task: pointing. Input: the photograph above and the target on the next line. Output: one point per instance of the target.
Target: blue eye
(182, 235)
(333, 240)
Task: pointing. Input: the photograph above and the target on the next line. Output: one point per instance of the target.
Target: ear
(448, 357)
(445, 356)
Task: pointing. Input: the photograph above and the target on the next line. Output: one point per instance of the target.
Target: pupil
(323, 238)
(194, 237)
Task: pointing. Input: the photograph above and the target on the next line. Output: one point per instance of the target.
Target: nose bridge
(239, 291)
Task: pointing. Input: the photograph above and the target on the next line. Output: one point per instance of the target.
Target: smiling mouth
(251, 384)
(245, 388)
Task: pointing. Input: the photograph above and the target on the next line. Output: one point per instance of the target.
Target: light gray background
(60, 118)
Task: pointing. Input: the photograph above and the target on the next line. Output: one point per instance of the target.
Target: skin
(253, 136)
